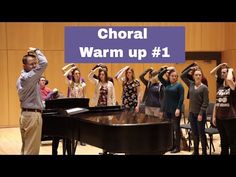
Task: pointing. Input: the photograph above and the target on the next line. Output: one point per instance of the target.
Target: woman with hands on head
(173, 101)
(198, 103)
(224, 114)
(131, 96)
(76, 84)
(104, 89)
(154, 93)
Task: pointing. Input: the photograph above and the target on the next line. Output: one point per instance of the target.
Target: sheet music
(73, 111)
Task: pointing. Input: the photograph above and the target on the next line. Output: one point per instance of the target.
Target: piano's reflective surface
(112, 129)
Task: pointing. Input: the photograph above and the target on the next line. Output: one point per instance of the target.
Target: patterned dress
(130, 94)
(102, 100)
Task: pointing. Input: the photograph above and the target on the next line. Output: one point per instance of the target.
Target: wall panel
(53, 71)
(230, 36)
(3, 44)
(53, 35)
(229, 57)
(213, 37)
(24, 35)
(193, 33)
(4, 89)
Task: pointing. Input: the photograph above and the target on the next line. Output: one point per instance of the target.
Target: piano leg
(64, 146)
(73, 146)
(55, 143)
(67, 146)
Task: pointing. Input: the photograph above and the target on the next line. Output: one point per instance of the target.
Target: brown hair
(25, 58)
(105, 72)
(46, 81)
(73, 72)
(197, 69)
(126, 71)
(172, 71)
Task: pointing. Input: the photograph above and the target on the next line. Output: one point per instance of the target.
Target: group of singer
(163, 98)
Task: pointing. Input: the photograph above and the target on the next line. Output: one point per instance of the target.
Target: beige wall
(15, 38)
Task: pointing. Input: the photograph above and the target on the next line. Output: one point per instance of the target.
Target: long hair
(126, 72)
(73, 79)
(105, 72)
(73, 72)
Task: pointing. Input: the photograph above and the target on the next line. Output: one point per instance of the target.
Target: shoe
(176, 150)
(111, 153)
(171, 149)
(104, 152)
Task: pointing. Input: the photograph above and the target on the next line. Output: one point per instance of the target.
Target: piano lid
(119, 118)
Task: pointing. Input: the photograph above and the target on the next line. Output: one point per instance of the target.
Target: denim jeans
(198, 130)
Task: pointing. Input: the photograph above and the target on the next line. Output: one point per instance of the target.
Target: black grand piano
(110, 128)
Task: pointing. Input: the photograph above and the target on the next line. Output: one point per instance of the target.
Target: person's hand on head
(127, 67)
(224, 65)
(171, 68)
(100, 68)
(97, 65)
(194, 67)
(74, 67)
(150, 70)
(164, 66)
(102, 65)
(31, 49)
